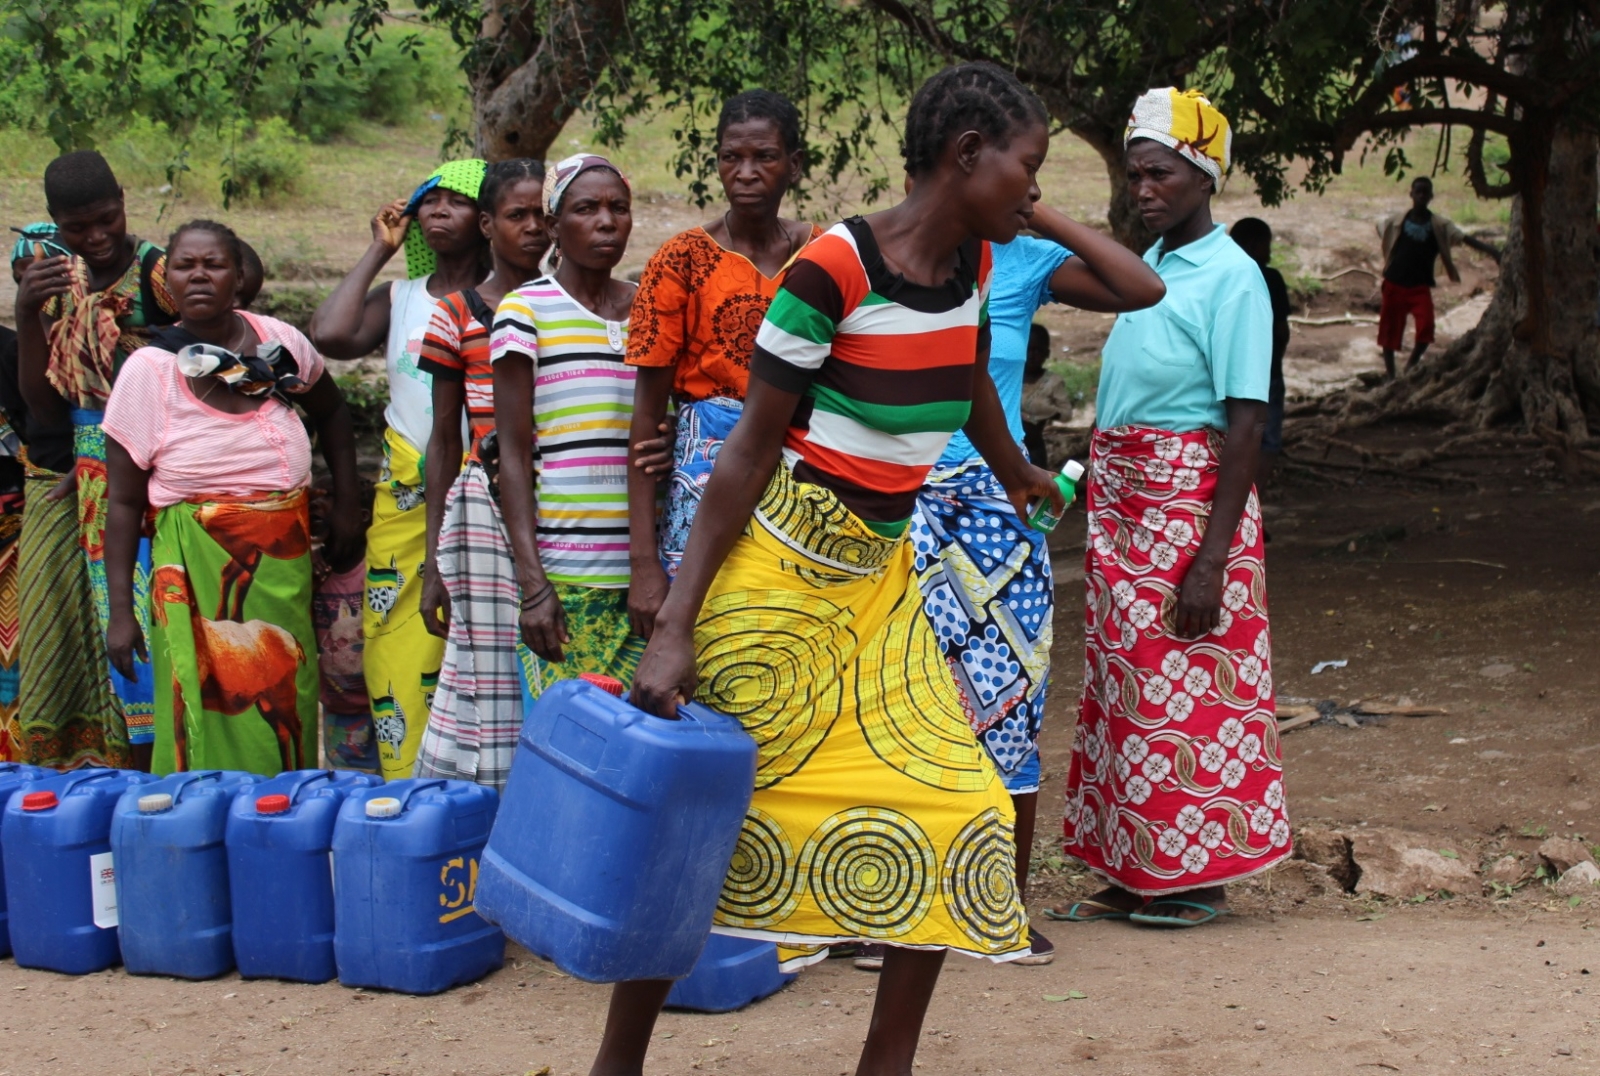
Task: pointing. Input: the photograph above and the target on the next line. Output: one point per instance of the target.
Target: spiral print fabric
(876, 816)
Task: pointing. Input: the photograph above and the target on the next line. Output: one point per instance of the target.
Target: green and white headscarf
(463, 177)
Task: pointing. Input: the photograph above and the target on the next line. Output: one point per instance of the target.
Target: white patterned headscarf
(1186, 121)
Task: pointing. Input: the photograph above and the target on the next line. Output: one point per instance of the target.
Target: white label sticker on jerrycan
(103, 890)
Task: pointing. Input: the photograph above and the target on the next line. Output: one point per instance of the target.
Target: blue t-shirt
(1171, 367)
(1022, 272)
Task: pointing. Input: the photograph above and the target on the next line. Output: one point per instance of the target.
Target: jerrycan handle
(83, 777)
(184, 780)
(299, 786)
(420, 786)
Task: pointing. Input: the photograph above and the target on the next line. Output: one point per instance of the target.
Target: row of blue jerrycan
(612, 842)
(194, 874)
(616, 832)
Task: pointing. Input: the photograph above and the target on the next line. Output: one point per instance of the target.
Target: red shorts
(1398, 301)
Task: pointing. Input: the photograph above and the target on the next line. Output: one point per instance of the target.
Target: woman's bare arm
(336, 437)
(647, 580)
(543, 621)
(1103, 275)
(1199, 607)
(442, 468)
(128, 498)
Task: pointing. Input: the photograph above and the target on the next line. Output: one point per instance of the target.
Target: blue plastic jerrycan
(730, 974)
(13, 775)
(172, 873)
(60, 879)
(280, 872)
(616, 833)
(405, 874)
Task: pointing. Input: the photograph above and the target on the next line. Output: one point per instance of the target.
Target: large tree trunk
(1540, 378)
(536, 76)
(1127, 227)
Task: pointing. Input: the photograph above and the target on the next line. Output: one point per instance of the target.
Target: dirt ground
(1472, 593)
(1483, 608)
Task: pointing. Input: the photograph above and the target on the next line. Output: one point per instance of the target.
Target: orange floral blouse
(698, 309)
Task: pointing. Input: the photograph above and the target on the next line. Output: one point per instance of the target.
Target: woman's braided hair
(972, 97)
(501, 176)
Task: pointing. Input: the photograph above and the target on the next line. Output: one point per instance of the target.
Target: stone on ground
(1395, 864)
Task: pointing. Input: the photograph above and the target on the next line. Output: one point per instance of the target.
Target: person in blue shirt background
(985, 575)
(1176, 785)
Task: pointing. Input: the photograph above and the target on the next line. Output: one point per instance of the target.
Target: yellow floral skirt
(876, 816)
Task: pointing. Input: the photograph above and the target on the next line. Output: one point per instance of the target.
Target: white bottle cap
(1072, 469)
(383, 807)
(155, 803)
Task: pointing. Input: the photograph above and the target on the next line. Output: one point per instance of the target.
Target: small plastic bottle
(1044, 517)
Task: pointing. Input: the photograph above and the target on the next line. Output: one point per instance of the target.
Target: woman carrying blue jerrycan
(876, 815)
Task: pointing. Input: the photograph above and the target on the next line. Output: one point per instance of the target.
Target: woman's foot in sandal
(1188, 909)
(1113, 902)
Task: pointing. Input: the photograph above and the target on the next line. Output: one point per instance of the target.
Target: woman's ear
(486, 225)
(968, 146)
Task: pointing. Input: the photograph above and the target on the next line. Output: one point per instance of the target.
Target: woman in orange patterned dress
(701, 299)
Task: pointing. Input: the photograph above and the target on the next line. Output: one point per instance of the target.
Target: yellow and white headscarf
(1184, 120)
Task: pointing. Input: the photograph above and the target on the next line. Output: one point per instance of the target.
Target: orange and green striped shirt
(885, 365)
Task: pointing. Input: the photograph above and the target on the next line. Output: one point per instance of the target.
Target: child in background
(1254, 236)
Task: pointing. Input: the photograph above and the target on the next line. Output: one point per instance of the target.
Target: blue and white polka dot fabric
(986, 587)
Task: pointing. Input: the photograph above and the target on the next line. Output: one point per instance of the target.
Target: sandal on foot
(870, 957)
(1071, 915)
(1144, 919)
(1041, 951)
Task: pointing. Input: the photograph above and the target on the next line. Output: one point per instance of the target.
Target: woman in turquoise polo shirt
(1176, 786)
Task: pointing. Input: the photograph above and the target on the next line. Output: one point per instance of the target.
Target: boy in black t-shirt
(1254, 236)
(1412, 242)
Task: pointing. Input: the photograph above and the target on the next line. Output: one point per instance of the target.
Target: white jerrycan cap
(1073, 470)
(155, 803)
(383, 807)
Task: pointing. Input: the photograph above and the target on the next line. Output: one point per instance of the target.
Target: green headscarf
(463, 177)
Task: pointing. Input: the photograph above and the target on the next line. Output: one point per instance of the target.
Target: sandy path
(1474, 993)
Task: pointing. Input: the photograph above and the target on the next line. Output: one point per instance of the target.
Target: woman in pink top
(200, 430)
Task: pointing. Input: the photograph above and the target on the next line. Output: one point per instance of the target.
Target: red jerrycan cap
(39, 801)
(277, 803)
(609, 684)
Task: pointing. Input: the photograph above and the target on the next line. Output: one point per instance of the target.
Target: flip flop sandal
(1072, 916)
(1144, 919)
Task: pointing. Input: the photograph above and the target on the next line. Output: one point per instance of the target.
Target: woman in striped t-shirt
(560, 383)
(876, 816)
(469, 589)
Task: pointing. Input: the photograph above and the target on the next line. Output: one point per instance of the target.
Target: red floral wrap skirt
(1177, 779)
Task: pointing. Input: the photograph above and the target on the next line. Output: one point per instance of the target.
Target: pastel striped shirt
(582, 408)
(886, 366)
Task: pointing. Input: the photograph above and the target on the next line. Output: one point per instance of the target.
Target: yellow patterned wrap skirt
(876, 816)
(400, 659)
